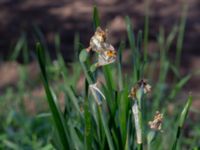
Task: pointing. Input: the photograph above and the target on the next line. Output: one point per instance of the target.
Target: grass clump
(113, 109)
(104, 116)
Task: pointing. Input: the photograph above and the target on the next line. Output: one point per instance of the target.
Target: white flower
(107, 56)
(106, 52)
(97, 41)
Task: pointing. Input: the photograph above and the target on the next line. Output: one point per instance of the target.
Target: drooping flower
(156, 124)
(106, 52)
(97, 41)
(133, 92)
(107, 56)
(146, 87)
(142, 84)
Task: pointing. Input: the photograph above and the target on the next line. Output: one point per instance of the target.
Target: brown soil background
(68, 17)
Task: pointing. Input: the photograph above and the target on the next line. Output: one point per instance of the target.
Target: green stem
(105, 125)
(181, 36)
(139, 146)
(98, 100)
(146, 29)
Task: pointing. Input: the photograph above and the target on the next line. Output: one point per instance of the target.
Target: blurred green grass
(85, 125)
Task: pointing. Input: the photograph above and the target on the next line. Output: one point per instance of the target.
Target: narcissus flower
(107, 56)
(97, 41)
(156, 124)
(106, 52)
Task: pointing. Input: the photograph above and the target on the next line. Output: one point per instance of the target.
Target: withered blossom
(97, 41)
(106, 52)
(146, 87)
(156, 124)
(140, 84)
(133, 92)
(107, 56)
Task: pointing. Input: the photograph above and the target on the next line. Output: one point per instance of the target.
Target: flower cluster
(106, 52)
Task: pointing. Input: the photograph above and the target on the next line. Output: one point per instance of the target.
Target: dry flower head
(141, 84)
(97, 41)
(106, 52)
(156, 124)
(107, 56)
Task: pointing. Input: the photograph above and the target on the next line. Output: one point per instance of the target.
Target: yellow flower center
(111, 53)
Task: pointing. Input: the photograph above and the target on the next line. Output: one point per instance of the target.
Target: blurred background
(23, 22)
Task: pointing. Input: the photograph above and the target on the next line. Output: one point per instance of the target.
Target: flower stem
(138, 124)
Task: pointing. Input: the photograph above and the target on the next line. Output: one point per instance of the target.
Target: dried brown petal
(141, 84)
(106, 58)
(156, 124)
(97, 41)
(133, 92)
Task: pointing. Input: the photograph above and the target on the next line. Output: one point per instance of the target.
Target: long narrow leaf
(182, 120)
(96, 19)
(88, 121)
(56, 113)
(119, 65)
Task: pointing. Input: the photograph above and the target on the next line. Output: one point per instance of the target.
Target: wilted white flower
(107, 56)
(106, 52)
(156, 124)
(141, 84)
(97, 41)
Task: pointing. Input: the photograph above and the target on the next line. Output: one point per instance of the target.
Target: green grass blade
(181, 35)
(106, 128)
(64, 74)
(25, 52)
(88, 121)
(56, 113)
(104, 119)
(78, 144)
(115, 139)
(128, 134)
(83, 59)
(18, 48)
(132, 43)
(123, 108)
(109, 89)
(119, 65)
(146, 29)
(185, 111)
(182, 119)
(178, 86)
(11, 145)
(96, 19)
(110, 83)
(76, 45)
(140, 61)
(57, 43)
(131, 37)
(171, 37)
